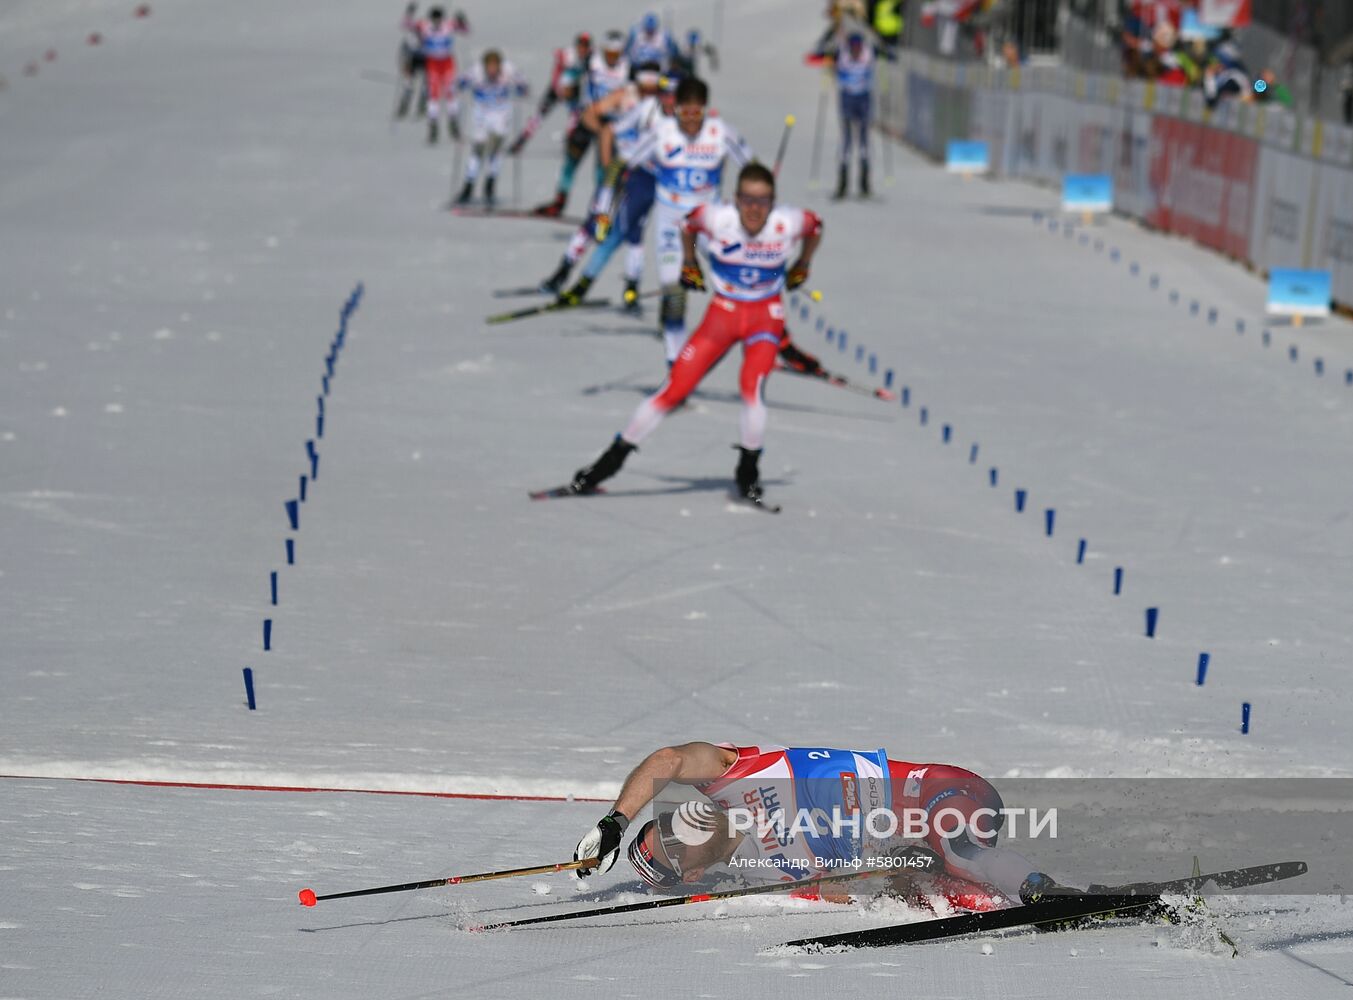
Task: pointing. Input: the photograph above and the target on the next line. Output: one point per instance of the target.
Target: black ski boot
(466, 193)
(551, 209)
(555, 282)
(432, 131)
(749, 478)
(864, 178)
(577, 293)
(586, 480)
(1039, 887)
(489, 200)
(842, 179)
(631, 298)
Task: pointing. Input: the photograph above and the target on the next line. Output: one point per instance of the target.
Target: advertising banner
(1204, 184)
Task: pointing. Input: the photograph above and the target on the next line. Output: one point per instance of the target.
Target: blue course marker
(841, 341)
(291, 551)
(1319, 366)
(992, 475)
(294, 514)
(1152, 614)
(873, 364)
(249, 687)
(1212, 317)
(1348, 376)
(821, 322)
(1155, 281)
(906, 396)
(319, 425)
(272, 585)
(1244, 718)
(972, 454)
(1203, 659)
(267, 633)
(1049, 517)
(888, 379)
(1080, 552)
(1292, 352)
(1193, 308)
(319, 401)
(1020, 497)
(1240, 326)
(859, 353)
(831, 334)
(1268, 337)
(324, 382)
(1134, 268)
(925, 415)
(1117, 580)
(302, 482)
(1113, 254)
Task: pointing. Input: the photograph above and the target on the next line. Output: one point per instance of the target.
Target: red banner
(1202, 179)
(1224, 13)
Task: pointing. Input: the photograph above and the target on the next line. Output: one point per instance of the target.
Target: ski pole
(818, 127)
(455, 157)
(784, 144)
(886, 138)
(308, 897)
(657, 904)
(516, 160)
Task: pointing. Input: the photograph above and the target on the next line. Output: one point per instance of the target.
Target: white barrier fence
(1256, 182)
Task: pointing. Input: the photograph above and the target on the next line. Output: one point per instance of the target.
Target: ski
(556, 306)
(658, 904)
(566, 490)
(1051, 912)
(516, 293)
(1142, 899)
(841, 382)
(1235, 878)
(758, 502)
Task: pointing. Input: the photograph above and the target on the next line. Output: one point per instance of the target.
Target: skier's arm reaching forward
(685, 764)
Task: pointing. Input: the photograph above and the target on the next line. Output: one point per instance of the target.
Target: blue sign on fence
(1298, 293)
(967, 156)
(1087, 193)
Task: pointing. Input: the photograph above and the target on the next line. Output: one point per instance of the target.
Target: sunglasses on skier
(755, 200)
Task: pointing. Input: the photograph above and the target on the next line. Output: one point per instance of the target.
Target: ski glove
(692, 277)
(603, 843)
(797, 275)
(799, 360)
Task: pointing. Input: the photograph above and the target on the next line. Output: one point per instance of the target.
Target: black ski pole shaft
(819, 125)
(308, 897)
(784, 144)
(658, 904)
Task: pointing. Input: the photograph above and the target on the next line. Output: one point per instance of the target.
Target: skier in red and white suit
(438, 37)
(749, 244)
(960, 811)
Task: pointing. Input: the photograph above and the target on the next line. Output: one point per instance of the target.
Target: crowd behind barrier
(1259, 183)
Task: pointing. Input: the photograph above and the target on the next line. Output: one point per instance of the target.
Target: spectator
(1267, 89)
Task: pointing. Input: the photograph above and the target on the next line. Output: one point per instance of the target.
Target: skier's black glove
(692, 277)
(796, 276)
(603, 843)
(798, 360)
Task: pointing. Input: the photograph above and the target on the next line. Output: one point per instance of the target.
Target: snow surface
(183, 211)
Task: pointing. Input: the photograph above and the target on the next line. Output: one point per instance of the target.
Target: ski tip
(885, 395)
(307, 897)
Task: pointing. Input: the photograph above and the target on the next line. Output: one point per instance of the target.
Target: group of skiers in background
(638, 100)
